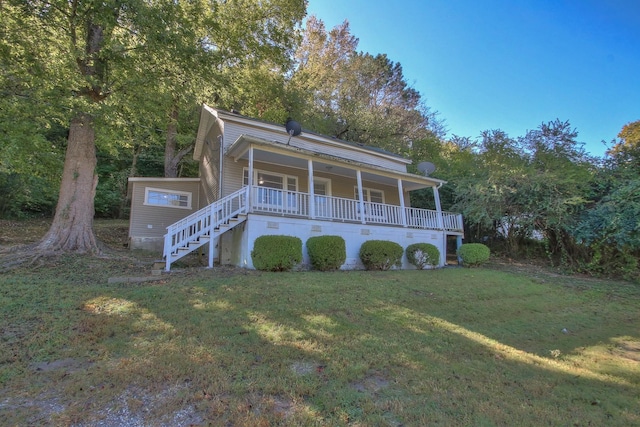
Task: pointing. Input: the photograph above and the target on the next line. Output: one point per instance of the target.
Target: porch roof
(275, 152)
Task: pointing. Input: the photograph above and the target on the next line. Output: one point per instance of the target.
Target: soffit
(276, 153)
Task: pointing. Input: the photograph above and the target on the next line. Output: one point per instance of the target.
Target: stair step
(202, 240)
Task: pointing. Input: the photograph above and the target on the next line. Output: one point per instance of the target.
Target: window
(275, 191)
(371, 195)
(167, 198)
(271, 180)
(375, 211)
(321, 186)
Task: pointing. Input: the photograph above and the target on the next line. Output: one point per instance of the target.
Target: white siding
(232, 180)
(332, 148)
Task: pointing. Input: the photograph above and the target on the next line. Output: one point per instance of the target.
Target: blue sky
(509, 64)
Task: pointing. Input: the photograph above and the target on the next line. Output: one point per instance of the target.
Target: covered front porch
(291, 180)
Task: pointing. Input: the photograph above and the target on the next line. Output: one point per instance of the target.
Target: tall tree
(207, 52)
(563, 173)
(378, 107)
(81, 35)
(489, 194)
(355, 96)
(537, 183)
(104, 62)
(321, 63)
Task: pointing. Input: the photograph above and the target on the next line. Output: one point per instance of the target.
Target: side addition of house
(257, 178)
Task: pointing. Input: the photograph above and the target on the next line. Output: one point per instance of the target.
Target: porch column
(312, 198)
(250, 179)
(436, 197)
(360, 196)
(403, 212)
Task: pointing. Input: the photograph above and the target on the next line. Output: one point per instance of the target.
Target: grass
(480, 347)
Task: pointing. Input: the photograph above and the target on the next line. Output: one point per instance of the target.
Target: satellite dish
(293, 129)
(426, 168)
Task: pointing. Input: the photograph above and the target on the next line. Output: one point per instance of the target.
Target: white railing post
(244, 201)
(312, 202)
(212, 222)
(360, 196)
(167, 250)
(403, 211)
(436, 196)
(250, 179)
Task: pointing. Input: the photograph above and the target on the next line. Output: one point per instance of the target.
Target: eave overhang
(289, 155)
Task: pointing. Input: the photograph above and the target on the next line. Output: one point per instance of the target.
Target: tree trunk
(170, 165)
(171, 158)
(72, 227)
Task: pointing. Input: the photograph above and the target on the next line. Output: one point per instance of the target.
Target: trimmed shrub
(276, 253)
(422, 255)
(380, 254)
(473, 254)
(326, 252)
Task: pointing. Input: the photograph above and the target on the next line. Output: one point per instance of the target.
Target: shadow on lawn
(268, 351)
(334, 349)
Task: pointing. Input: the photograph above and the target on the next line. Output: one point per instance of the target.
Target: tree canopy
(95, 92)
(356, 96)
(99, 65)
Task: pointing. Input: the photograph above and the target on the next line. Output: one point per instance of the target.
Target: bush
(380, 254)
(422, 255)
(276, 253)
(326, 252)
(473, 254)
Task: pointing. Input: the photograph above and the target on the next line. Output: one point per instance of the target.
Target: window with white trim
(373, 212)
(321, 186)
(370, 195)
(167, 198)
(270, 180)
(274, 190)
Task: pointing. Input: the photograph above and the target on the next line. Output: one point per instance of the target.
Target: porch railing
(191, 232)
(452, 221)
(294, 203)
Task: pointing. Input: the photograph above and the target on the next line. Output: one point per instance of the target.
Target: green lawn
(469, 347)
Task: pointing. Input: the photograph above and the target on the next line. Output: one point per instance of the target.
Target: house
(260, 178)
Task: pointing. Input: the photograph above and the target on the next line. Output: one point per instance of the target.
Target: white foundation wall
(353, 234)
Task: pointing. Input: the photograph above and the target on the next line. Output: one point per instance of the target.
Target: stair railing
(203, 223)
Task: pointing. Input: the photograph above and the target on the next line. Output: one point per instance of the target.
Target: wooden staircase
(204, 227)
